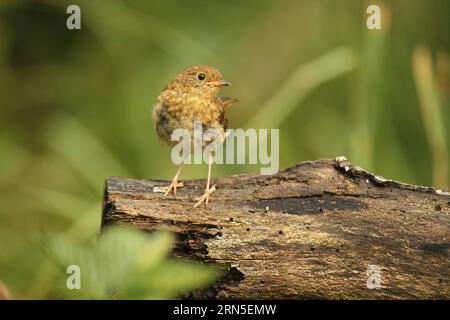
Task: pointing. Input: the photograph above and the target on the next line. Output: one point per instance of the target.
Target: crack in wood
(308, 231)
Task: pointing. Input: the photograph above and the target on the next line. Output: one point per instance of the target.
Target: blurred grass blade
(304, 79)
(369, 98)
(83, 215)
(113, 14)
(431, 114)
(12, 160)
(84, 152)
(61, 203)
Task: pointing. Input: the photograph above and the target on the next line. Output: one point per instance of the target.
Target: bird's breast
(192, 109)
(182, 113)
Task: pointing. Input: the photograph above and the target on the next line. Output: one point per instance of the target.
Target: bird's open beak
(220, 83)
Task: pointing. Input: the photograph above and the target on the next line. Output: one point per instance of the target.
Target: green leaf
(129, 263)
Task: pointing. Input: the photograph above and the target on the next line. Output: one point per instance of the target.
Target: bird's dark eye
(201, 76)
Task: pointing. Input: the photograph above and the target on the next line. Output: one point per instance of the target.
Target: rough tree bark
(310, 231)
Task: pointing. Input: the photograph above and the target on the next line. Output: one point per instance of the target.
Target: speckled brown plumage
(192, 96)
(188, 99)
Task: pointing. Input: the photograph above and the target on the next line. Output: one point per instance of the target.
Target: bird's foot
(173, 186)
(205, 196)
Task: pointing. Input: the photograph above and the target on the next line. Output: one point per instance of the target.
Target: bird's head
(201, 80)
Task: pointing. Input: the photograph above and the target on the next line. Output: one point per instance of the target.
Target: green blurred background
(75, 105)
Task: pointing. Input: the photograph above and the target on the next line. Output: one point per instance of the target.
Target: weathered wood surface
(307, 232)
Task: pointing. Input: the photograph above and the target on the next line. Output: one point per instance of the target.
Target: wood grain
(307, 232)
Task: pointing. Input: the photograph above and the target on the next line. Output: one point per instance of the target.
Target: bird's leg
(175, 183)
(209, 177)
(208, 191)
(225, 136)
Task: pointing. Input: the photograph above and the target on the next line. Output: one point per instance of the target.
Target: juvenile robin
(192, 97)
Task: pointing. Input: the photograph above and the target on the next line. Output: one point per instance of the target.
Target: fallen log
(322, 229)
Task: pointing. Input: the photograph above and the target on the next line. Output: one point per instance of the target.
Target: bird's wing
(223, 119)
(161, 122)
(227, 101)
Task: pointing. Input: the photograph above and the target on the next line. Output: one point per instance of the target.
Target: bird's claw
(173, 186)
(205, 196)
